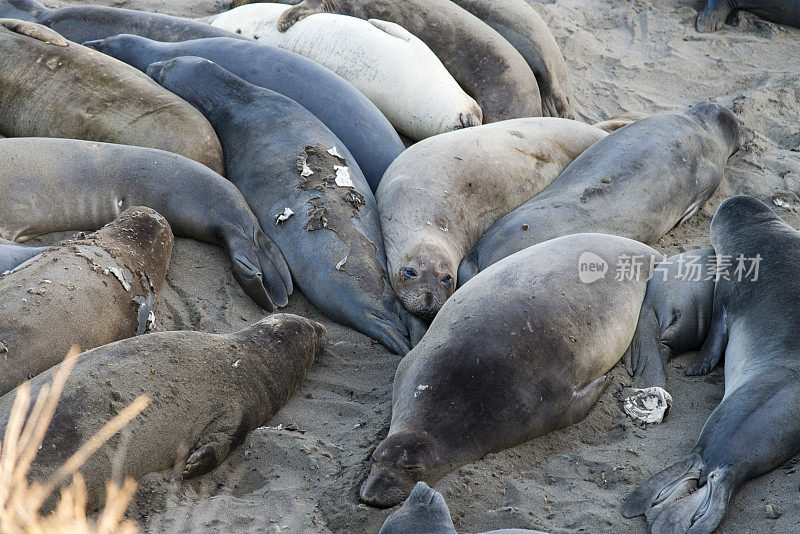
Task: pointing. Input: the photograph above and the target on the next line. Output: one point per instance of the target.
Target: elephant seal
(487, 66)
(55, 185)
(392, 67)
(439, 197)
(675, 315)
(50, 87)
(522, 26)
(207, 391)
(351, 116)
(426, 512)
(304, 188)
(712, 18)
(87, 291)
(639, 182)
(84, 23)
(756, 426)
(13, 255)
(486, 377)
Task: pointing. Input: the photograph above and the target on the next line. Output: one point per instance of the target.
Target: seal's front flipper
(665, 487)
(34, 31)
(712, 18)
(583, 399)
(698, 513)
(390, 28)
(714, 346)
(468, 268)
(208, 454)
(648, 354)
(304, 9)
(416, 326)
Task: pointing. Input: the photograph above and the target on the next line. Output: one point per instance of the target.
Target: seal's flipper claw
(34, 31)
(209, 453)
(665, 487)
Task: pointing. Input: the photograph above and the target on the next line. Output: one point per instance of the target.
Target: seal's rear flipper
(714, 346)
(424, 511)
(698, 513)
(34, 31)
(664, 487)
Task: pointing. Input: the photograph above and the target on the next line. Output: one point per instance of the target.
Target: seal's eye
(447, 281)
(413, 468)
(408, 273)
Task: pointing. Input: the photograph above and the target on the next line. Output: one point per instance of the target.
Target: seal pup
(756, 426)
(84, 23)
(350, 115)
(56, 185)
(675, 315)
(13, 255)
(439, 196)
(50, 87)
(487, 66)
(306, 191)
(392, 67)
(426, 512)
(207, 391)
(713, 17)
(639, 182)
(522, 26)
(486, 377)
(87, 291)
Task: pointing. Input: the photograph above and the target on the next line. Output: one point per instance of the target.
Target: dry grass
(20, 503)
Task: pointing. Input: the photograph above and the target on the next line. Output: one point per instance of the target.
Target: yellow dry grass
(21, 502)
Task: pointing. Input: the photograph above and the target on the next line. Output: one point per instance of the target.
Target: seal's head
(399, 462)
(426, 279)
(423, 511)
(124, 47)
(725, 122)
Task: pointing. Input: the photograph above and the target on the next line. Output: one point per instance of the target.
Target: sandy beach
(302, 472)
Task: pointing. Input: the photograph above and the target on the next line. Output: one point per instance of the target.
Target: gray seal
(712, 18)
(521, 350)
(675, 315)
(50, 87)
(350, 115)
(755, 325)
(87, 292)
(12, 255)
(56, 185)
(639, 182)
(307, 192)
(484, 64)
(207, 391)
(85, 23)
(426, 512)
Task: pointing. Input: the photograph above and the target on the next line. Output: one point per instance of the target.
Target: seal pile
(415, 169)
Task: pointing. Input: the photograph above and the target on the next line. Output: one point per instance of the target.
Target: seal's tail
(673, 503)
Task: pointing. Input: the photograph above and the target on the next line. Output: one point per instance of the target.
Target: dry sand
(623, 55)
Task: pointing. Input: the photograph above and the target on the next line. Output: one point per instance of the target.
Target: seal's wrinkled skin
(280, 156)
(487, 377)
(350, 115)
(207, 392)
(87, 292)
(50, 87)
(54, 185)
(639, 182)
(754, 328)
(84, 23)
(486, 65)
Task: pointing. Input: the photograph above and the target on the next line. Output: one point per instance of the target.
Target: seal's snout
(382, 490)
(156, 71)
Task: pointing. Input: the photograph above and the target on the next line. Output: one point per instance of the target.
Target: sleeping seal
(87, 292)
(55, 185)
(207, 392)
(50, 87)
(350, 115)
(755, 327)
(306, 191)
(425, 512)
(638, 182)
(84, 23)
(392, 67)
(712, 18)
(486, 65)
(675, 315)
(488, 376)
(440, 196)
